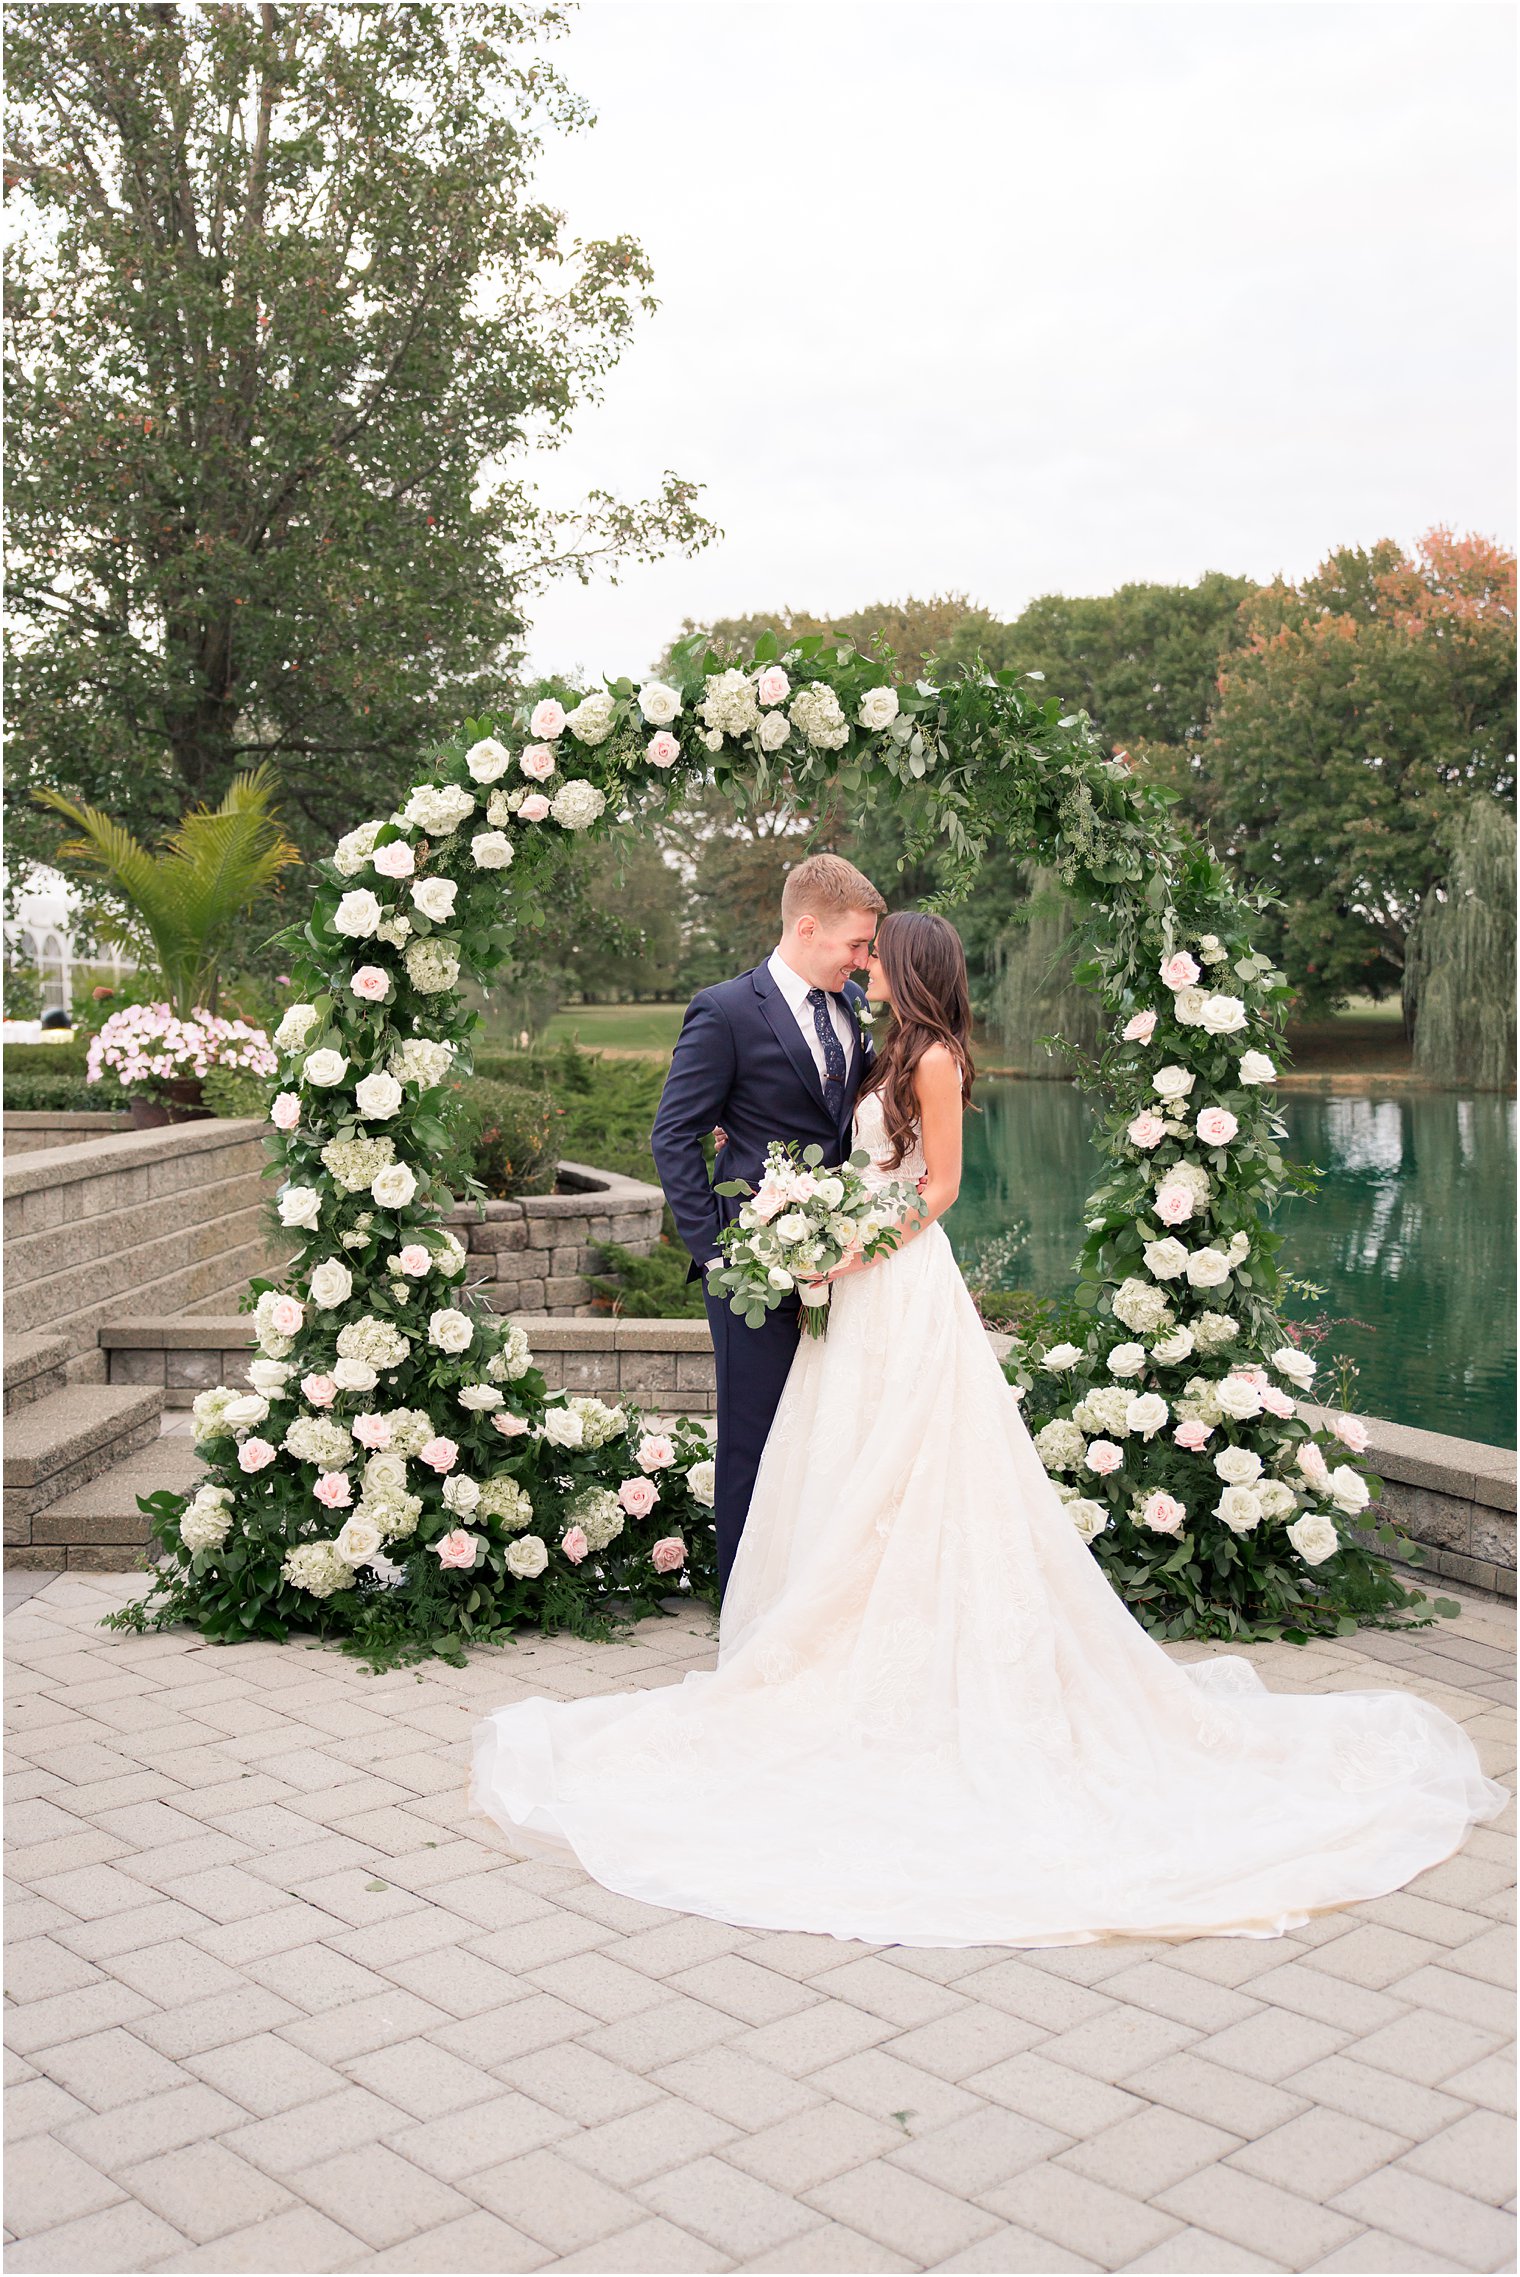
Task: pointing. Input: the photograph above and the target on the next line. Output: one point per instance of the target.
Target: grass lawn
(643, 1028)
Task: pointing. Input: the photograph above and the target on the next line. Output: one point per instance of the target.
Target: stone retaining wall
(534, 1255)
(146, 1222)
(26, 1133)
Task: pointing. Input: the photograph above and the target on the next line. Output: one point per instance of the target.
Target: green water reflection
(1411, 1233)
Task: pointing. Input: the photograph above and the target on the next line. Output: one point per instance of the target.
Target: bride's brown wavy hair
(924, 966)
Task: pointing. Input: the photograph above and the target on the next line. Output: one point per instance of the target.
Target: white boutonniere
(864, 1014)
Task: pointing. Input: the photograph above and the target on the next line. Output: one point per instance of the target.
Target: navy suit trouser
(752, 1367)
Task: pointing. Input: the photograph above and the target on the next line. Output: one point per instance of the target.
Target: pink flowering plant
(465, 1498)
(146, 1047)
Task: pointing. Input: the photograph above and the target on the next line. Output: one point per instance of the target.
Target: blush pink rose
(394, 859)
(285, 1112)
(655, 1451)
(1351, 1432)
(1141, 1029)
(255, 1455)
(1146, 1130)
(370, 984)
(1278, 1403)
(318, 1391)
(1180, 971)
(1174, 1204)
(548, 718)
(1252, 1373)
(440, 1454)
(668, 1555)
(372, 1430)
(538, 761)
(662, 750)
(1194, 1436)
(534, 808)
(415, 1259)
(638, 1496)
(1216, 1126)
(510, 1426)
(456, 1549)
(333, 1491)
(773, 686)
(1104, 1457)
(1163, 1513)
(575, 1545)
(1313, 1465)
(286, 1317)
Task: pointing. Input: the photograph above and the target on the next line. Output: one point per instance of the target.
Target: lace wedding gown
(933, 1722)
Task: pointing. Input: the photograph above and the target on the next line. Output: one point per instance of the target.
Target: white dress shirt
(795, 989)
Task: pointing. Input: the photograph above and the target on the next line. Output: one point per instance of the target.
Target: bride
(932, 1721)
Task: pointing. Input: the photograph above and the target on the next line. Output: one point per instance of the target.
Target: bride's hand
(854, 1260)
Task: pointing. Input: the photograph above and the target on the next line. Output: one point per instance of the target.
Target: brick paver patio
(277, 2002)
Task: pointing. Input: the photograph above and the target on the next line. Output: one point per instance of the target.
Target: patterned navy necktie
(833, 1051)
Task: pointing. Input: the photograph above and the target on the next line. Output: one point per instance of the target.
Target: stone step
(34, 1368)
(61, 1442)
(99, 1528)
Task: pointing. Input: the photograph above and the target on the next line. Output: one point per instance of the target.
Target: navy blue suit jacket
(741, 1061)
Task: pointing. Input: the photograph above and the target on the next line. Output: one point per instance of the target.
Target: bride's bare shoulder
(937, 1074)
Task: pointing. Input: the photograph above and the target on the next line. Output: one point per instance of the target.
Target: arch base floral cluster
(396, 1474)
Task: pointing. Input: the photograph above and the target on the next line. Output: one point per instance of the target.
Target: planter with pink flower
(160, 1062)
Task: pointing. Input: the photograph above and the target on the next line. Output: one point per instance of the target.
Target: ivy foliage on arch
(396, 1474)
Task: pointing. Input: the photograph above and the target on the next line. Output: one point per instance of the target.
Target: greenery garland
(397, 1475)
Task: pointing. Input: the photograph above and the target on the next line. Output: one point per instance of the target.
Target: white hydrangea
(1105, 1409)
(817, 716)
(515, 1357)
(576, 804)
(431, 967)
(729, 706)
(438, 808)
(599, 1423)
(317, 1568)
(1059, 1445)
(395, 1514)
(503, 1499)
(1142, 1307)
(373, 1340)
(592, 720)
(1211, 1330)
(295, 1027)
(318, 1439)
(1199, 1403)
(352, 1163)
(206, 1519)
(208, 1414)
(422, 1061)
(598, 1514)
(354, 848)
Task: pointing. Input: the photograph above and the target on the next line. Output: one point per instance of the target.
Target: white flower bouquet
(797, 1225)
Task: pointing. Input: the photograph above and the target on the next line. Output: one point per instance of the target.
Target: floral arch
(396, 1474)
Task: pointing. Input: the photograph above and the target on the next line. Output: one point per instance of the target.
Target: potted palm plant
(182, 903)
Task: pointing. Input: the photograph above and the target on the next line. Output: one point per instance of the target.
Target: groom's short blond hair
(826, 885)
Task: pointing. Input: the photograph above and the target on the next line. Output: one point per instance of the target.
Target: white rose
(1187, 1006)
(269, 1377)
(1314, 1537)
(1171, 1348)
(1087, 1516)
(461, 1494)
(878, 708)
(331, 1284)
(1237, 1466)
(791, 1226)
(1240, 1508)
(775, 727)
(359, 1539)
(435, 898)
(1255, 1067)
(562, 1427)
(244, 1409)
(1172, 1082)
(296, 1026)
(325, 1068)
(1208, 1268)
(1238, 1398)
(1295, 1365)
(300, 1206)
(486, 760)
(1146, 1414)
(491, 849)
(1223, 1015)
(1348, 1489)
(354, 1375)
(357, 914)
(394, 1186)
(658, 703)
(526, 1557)
(480, 1397)
(1276, 1498)
(1165, 1259)
(779, 1278)
(377, 1096)
(1126, 1360)
(702, 1478)
(450, 1331)
(1062, 1356)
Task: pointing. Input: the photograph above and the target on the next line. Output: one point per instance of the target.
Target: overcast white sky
(1011, 297)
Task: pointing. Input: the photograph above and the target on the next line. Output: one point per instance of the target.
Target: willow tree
(286, 317)
(1459, 973)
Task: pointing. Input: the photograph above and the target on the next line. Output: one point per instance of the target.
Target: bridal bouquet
(797, 1225)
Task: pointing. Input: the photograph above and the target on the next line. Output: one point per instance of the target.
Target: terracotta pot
(179, 1101)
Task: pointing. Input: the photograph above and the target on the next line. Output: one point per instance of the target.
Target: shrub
(648, 1288)
(48, 1089)
(232, 1091)
(606, 1106)
(509, 1137)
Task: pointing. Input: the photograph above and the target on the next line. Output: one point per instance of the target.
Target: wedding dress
(933, 1722)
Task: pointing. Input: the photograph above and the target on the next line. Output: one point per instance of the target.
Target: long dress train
(933, 1722)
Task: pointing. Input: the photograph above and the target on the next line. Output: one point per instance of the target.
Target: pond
(1410, 1234)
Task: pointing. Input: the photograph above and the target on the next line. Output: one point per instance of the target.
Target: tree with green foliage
(1362, 713)
(286, 317)
(1459, 967)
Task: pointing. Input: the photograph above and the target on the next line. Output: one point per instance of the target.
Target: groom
(776, 1054)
